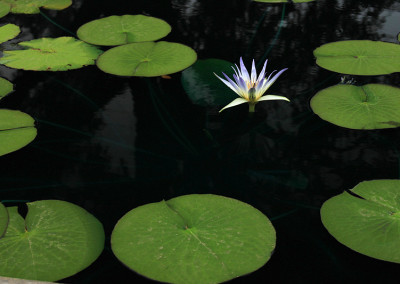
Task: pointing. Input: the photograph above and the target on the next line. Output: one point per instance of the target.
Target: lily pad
(369, 225)
(147, 59)
(372, 106)
(57, 239)
(17, 129)
(51, 54)
(32, 6)
(203, 87)
(117, 30)
(5, 87)
(194, 239)
(4, 9)
(359, 57)
(3, 220)
(284, 1)
(8, 32)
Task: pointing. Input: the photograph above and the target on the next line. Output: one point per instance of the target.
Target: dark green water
(110, 144)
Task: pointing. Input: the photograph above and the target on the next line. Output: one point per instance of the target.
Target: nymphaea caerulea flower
(249, 87)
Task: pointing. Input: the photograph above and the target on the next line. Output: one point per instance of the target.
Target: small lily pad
(17, 129)
(369, 225)
(372, 106)
(3, 219)
(4, 9)
(203, 87)
(8, 32)
(57, 239)
(194, 239)
(147, 59)
(359, 57)
(5, 87)
(117, 30)
(32, 6)
(51, 54)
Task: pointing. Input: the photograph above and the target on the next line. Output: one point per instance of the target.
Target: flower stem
(251, 107)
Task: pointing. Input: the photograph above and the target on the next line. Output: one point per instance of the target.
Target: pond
(110, 143)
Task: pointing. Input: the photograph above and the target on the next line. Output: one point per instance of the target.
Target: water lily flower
(251, 88)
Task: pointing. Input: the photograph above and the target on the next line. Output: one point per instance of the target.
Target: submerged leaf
(117, 30)
(51, 54)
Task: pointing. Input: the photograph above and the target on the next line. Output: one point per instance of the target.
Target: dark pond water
(110, 144)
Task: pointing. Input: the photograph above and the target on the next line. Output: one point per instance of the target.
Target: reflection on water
(111, 143)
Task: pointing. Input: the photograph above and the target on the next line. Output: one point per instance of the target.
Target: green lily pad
(117, 30)
(147, 59)
(194, 239)
(5, 87)
(51, 54)
(32, 6)
(371, 225)
(284, 1)
(359, 57)
(8, 32)
(372, 106)
(203, 87)
(17, 129)
(3, 220)
(4, 9)
(57, 239)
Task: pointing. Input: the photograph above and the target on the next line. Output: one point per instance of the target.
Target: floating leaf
(370, 225)
(359, 57)
(194, 239)
(17, 129)
(51, 54)
(147, 59)
(283, 1)
(372, 106)
(3, 220)
(117, 30)
(57, 239)
(4, 9)
(5, 87)
(8, 32)
(203, 87)
(32, 6)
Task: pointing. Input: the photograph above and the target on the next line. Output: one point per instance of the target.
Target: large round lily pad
(117, 30)
(371, 225)
(147, 59)
(5, 87)
(32, 6)
(3, 219)
(203, 87)
(372, 106)
(8, 32)
(57, 239)
(51, 54)
(194, 239)
(17, 129)
(4, 9)
(359, 57)
(283, 1)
